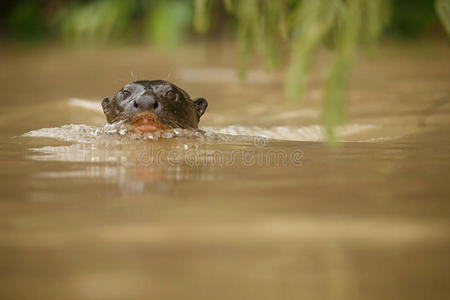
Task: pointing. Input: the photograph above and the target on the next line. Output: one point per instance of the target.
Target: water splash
(116, 133)
(313, 133)
(234, 134)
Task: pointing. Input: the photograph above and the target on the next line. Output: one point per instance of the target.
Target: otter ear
(106, 105)
(200, 105)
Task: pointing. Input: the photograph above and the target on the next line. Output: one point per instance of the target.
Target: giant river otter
(150, 106)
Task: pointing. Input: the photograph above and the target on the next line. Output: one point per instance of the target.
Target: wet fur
(181, 112)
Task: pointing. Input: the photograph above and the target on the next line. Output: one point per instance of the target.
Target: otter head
(154, 105)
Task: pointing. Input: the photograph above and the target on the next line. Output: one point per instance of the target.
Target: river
(256, 206)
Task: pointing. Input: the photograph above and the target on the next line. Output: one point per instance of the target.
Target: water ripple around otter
(236, 134)
(115, 144)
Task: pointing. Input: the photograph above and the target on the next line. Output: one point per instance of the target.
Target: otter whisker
(133, 77)
(121, 81)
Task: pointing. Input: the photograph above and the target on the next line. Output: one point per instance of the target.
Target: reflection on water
(252, 206)
(167, 156)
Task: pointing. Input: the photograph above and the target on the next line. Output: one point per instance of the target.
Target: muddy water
(256, 206)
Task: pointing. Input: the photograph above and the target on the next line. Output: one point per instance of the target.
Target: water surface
(256, 206)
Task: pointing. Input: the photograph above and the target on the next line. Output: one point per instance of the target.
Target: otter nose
(144, 103)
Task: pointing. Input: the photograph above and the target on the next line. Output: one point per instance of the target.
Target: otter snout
(146, 103)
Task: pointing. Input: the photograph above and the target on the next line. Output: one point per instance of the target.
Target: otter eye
(126, 94)
(171, 95)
